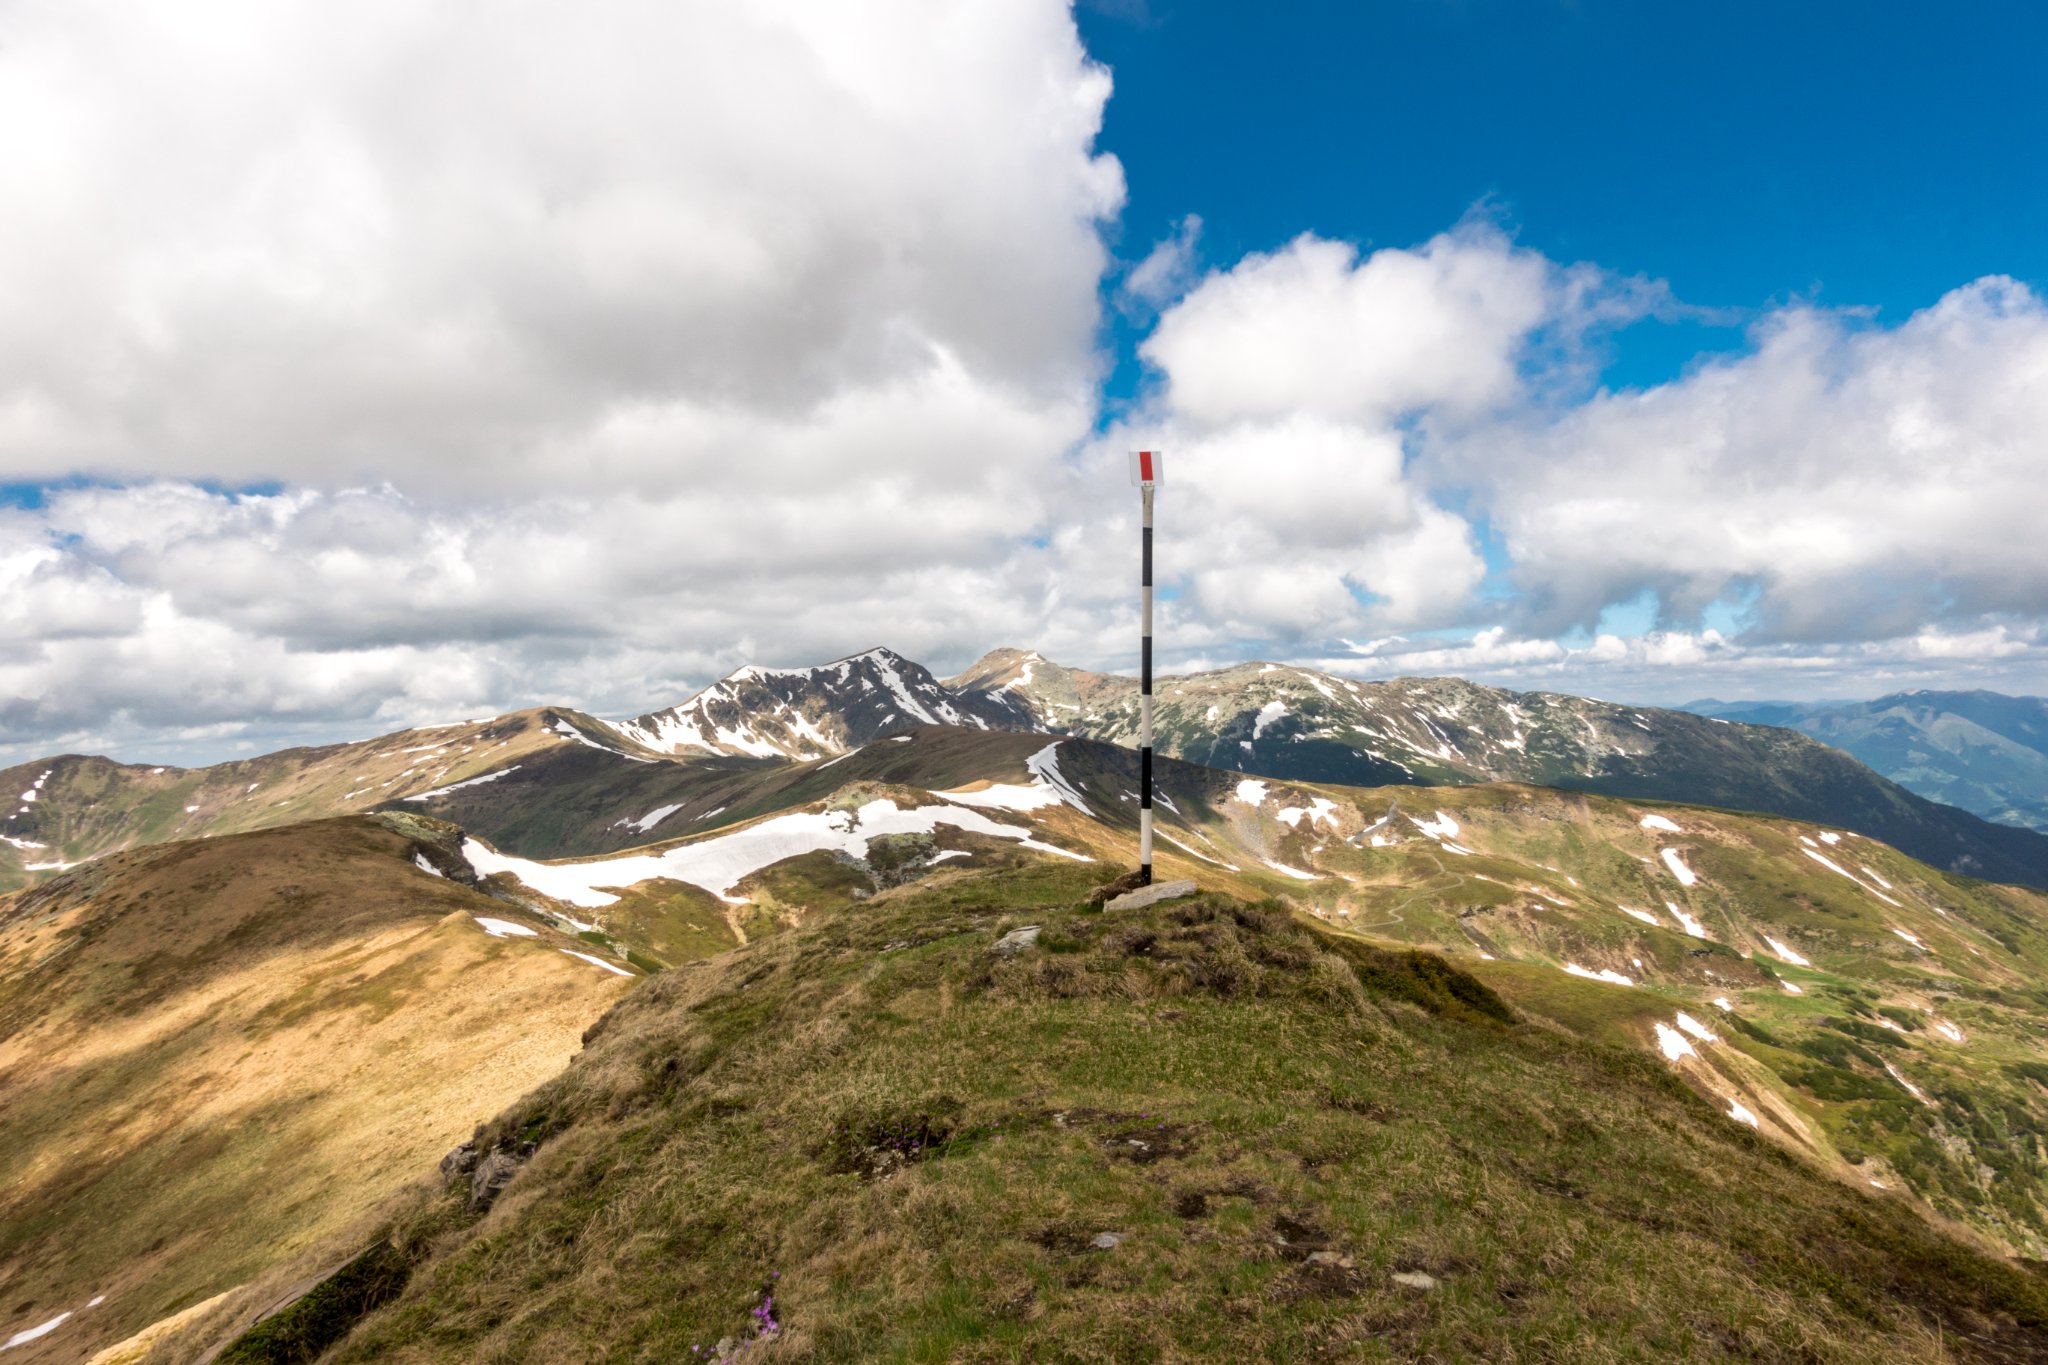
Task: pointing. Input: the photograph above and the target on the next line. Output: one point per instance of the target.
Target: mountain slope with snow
(812, 713)
(1280, 721)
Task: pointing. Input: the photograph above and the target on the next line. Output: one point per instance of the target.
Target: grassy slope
(216, 1053)
(1295, 1092)
(1547, 874)
(91, 806)
(1545, 886)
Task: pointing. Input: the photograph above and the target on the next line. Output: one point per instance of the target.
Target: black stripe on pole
(1145, 667)
(1145, 779)
(1145, 580)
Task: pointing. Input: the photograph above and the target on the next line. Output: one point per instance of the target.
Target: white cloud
(1313, 328)
(1168, 269)
(596, 353)
(1845, 481)
(464, 245)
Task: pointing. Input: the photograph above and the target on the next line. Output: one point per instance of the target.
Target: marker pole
(1147, 472)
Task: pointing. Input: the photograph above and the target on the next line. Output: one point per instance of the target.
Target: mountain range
(1480, 1070)
(1982, 751)
(1257, 718)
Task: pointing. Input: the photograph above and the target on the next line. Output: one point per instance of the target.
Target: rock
(1106, 1241)
(1151, 895)
(458, 1163)
(1414, 1279)
(1016, 941)
(1130, 881)
(491, 1177)
(1335, 1258)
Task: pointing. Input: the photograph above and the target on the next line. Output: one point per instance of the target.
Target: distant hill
(1984, 752)
(1280, 721)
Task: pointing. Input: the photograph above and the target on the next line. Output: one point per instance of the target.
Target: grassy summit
(1212, 1130)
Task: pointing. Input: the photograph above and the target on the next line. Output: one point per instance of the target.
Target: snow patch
(1948, 1031)
(721, 862)
(1911, 1089)
(1788, 987)
(1830, 837)
(1194, 851)
(34, 1333)
(1443, 827)
(597, 962)
(1785, 954)
(1742, 1115)
(1686, 921)
(1688, 1024)
(1686, 876)
(1672, 1043)
(1911, 938)
(1271, 712)
(1322, 811)
(1643, 915)
(655, 817)
(458, 786)
(1045, 766)
(1294, 872)
(1612, 978)
(504, 928)
(1840, 871)
(419, 860)
(1722, 1003)
(1252, 792)
(1660, 822)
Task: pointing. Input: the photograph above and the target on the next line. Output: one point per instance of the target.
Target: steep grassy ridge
(1204, 1131)
(71, 808)
(1910, 1056)
(214, 1054)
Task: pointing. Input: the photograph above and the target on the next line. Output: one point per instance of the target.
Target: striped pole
(1147, 469)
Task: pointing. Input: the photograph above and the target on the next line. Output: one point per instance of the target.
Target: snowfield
(720, 863)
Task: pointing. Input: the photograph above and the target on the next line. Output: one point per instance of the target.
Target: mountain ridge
(1259, 718)
(1981, 751)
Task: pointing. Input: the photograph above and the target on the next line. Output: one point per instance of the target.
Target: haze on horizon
(381, 366)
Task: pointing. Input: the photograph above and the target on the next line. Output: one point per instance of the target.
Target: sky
(392, 363)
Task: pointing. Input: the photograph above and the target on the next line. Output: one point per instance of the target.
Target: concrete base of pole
(1151, 895)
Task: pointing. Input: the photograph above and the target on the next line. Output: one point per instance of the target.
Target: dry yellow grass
(216, 1055)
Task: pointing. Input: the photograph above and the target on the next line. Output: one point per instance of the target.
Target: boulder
(459, 1163)
(1151, 895)
(490, 1178)
(1016, 941)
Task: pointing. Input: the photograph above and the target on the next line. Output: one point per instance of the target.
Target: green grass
(1294, 1093)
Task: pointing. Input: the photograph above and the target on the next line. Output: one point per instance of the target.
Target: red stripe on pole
(1145, 466)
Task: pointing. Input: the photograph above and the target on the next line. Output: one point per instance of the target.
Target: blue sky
(1645, 350)
(1865, 154)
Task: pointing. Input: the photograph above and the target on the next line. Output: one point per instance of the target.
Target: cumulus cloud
(1168, 269)
(1839, 481)
(451, 243)
(580, 357)
(1313, 328)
